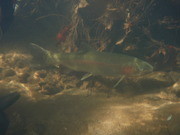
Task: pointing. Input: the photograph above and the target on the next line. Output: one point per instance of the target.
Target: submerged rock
(8, 72)
(23, 78)
(40, 74)
(155, 80)
(51, 90)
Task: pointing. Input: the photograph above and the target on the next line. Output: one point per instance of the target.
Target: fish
(96, 63)
(5, 102)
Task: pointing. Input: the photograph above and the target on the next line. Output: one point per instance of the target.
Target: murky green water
(55, 101)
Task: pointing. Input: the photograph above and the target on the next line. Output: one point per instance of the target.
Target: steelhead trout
(96, 63)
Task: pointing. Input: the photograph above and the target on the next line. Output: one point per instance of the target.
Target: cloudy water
(86, 67)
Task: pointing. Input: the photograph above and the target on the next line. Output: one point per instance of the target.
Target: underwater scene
(89, 67)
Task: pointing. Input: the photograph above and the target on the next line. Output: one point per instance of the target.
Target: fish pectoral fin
(122, 77)
(86, 76)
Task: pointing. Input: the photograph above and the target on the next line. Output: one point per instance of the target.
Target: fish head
(142, 67)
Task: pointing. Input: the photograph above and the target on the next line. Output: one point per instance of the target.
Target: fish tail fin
(40, 50)
(41, 55)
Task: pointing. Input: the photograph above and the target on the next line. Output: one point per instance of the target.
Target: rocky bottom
(54, 101)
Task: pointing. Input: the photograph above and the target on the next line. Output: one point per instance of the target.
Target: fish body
(103, 63)
(98, 63)
(5, 102)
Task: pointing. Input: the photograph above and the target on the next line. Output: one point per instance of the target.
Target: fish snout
(147, 67)
(143, 67)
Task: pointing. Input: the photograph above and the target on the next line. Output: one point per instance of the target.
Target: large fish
(96, 63)
(5, 102)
